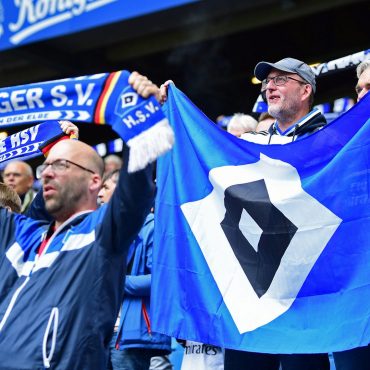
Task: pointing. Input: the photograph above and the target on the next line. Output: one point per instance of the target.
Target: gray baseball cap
(290, 65)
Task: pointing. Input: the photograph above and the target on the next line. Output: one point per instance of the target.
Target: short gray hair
(26, 168)
(244, 122)
(362, 67)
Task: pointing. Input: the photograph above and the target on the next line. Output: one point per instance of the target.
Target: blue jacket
(58, 310)
(135, 328)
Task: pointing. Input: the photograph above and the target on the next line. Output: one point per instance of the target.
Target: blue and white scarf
(30, 142)
(104, 98)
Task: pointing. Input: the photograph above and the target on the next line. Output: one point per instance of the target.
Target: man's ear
(307, 91)
(8, 208)
(95, 182)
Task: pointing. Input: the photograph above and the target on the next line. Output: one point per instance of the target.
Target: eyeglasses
(280, 80)
(59, 165)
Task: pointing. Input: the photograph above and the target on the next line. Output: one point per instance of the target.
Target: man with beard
(61, 282)
(288, 87)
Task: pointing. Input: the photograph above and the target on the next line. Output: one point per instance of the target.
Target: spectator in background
(363, 75)
(134, 344)
(112, 162)
(108, 185)
(265, 121)
(9, 199)
(240, 124)
(19, 176)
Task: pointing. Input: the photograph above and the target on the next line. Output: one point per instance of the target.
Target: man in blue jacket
(134, 343)
(61, 283)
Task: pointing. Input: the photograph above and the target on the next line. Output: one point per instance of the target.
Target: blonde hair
(9, 198)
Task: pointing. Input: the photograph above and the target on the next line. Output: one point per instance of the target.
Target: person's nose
(10, 178)
(270, 85)
(47, 172)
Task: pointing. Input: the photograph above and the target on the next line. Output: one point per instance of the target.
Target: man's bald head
(79, 151)
(71, 179)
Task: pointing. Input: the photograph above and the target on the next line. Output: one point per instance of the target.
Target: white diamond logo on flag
(235, 227)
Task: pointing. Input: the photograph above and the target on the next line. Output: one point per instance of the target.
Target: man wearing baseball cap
(288, 87)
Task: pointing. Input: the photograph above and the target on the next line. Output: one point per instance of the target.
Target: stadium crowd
(97, 234)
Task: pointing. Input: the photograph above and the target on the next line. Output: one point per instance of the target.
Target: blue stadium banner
(264, 247)
(25, 21)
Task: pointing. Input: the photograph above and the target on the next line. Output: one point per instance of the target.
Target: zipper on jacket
(118, 340)
(147, 322)
(146, 317)
(53, 320)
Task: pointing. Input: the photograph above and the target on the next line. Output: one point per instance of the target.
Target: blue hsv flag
(264, 248)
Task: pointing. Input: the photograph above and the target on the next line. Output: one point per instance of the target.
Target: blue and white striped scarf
(105, 98)
(30, 142)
